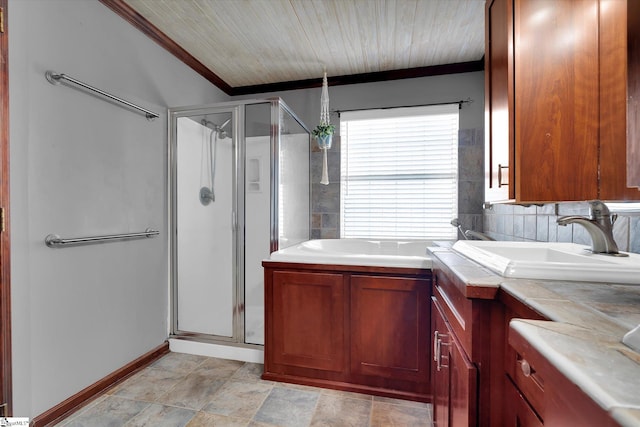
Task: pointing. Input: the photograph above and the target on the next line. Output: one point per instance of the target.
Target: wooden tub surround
(361, 329)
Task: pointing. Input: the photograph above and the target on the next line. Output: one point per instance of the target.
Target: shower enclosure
(239, 190)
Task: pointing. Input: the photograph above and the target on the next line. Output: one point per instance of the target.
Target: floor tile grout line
(261, 404)
(373, 402)
(315, 408)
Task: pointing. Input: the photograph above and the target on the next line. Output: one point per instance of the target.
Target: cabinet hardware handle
(526, 368)
(500, 183)
(442, 365)
(435, 346)
(438, 343)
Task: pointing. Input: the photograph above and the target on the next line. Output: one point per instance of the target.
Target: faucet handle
(598, 209)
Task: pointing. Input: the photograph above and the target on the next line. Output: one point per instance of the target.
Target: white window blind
(399, 173)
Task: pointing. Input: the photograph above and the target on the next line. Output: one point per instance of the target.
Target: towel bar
(53, 240)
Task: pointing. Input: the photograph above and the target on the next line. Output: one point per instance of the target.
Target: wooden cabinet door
(518, 412)
(390, 327)
(308, 328)
(499, 120)
(556, 99)
(633, 92)
(619, 89)
(464, 377)
(440, 384)
(455, 378)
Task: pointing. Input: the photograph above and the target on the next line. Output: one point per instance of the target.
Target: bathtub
(377, 253)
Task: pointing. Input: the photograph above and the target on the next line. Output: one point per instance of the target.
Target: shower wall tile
(333, 166)
(634, 234)
(470, 196)
(621, 232)
(530, 223)
(470, 176)
(581, 235)
(542, 228)
(316, 220)
(330, 221)
(518, 227)
(553, 228)
(325, 198)
(539, 223)
(565, 233)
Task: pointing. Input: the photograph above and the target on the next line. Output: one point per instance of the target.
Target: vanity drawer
(528, 381)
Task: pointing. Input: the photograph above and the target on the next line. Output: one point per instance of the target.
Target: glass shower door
(205, 224)
(276, 182)
(239, 189)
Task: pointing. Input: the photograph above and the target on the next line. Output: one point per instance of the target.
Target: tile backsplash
(538, 223)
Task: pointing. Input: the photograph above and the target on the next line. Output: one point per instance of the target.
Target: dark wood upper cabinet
(633, 93)
(556, 87)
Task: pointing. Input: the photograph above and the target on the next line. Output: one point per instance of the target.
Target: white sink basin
(553, 261)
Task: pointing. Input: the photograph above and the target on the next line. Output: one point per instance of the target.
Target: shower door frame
(237, 108)
(237, 113)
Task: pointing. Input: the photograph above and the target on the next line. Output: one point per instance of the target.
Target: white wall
(83, 166)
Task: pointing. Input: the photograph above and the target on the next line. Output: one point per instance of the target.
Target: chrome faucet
(469, 234)
(600, 228)
(477, 235)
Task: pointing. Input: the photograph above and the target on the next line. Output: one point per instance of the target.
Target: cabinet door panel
(390, 327)
(613, 99)
(518, 413)
(633, 95)
(308, 312)
(441, 383)
(499, 101)
(455, 378)
(464, 377)
(556, 99)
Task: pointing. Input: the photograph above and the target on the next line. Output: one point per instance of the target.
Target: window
(399, 173)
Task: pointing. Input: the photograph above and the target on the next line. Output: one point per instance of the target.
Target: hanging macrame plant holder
(324, 140)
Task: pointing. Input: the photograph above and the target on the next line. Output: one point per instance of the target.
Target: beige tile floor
(196, 391)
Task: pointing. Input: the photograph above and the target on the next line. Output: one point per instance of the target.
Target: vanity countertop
(583, 337)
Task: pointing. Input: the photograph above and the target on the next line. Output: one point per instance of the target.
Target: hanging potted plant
(323, 133)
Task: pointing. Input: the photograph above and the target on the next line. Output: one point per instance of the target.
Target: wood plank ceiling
(253, 45)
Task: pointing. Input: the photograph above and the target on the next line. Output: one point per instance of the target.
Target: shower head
(216, 128)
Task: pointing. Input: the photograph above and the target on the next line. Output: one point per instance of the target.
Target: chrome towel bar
(55, 79)
(53, 240)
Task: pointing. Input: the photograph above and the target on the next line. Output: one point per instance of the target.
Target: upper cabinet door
(556, 80)
(499, 161)
(556, 99)
(619, 82)
(633, 93)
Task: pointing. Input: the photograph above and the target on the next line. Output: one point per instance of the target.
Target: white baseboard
(217, 350)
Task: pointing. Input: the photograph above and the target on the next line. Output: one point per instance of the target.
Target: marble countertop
(583, 338)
